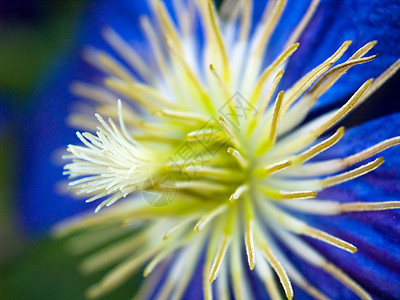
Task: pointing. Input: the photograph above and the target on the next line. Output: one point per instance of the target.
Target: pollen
(203, 158)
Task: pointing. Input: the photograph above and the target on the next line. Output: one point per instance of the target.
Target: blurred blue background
(35, 36)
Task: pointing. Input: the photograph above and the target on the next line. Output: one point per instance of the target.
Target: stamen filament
(127, 53)
(265, 76)
(217, 35)
(269, 26)
(303, 23)
(317, 149)
(249, 233)
(207, 134)
(126, 88)
(280, 271)
(114, 67)
(336, 165)
(240, 159)
(238, 193)
(183, 115)
(327, 238)
(267, 144)
(192, 78)
(246, 10)
(385, 76)
(368, 206)
(346, 280)
(167, 250)
(274, 194)
(345, 109)
(167, 24)
(334, 180)
(208, 217)
(121, 273)
(219, 257)
(272, 169)
(310, 255)
(229, 132)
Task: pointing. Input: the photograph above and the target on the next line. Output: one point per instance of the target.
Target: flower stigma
(204, 158)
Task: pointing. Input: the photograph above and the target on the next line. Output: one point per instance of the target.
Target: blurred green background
(32, 35)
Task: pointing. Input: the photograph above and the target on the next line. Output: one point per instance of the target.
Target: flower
(246, 197)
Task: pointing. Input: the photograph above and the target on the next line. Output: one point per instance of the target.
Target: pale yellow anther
(222, 248)
(156, 45)
(238, 156)
(221, 83)
(239, 192)
(167, 24)
(274, 194)
(269, 142)
(368, 206)
(249, 232)
(269, 72)
(330, 239)
(274, 168)
(218, 37)
(334, 180)
(345, 109)
(280, 271)
(363, 50)
(330, 77)
(317, 149)
(264, 103)
(229, 132)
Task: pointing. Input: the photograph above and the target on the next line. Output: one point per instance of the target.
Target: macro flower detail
(240, 156)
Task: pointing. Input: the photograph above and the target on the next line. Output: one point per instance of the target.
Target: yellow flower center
(220, 155)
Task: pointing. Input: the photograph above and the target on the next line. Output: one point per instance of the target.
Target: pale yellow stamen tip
(249, 243)
(223, 247)
(272, 169)
(330, 181)
(369, 206)
(238, 193)
(240, 159)
(325, 237)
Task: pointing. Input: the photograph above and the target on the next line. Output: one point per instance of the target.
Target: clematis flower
(211, 164)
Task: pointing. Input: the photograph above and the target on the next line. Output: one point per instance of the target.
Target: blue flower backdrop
(267, 195)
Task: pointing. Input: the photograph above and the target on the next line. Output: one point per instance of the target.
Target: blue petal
(44, 129)
(318, 278)
(364, 136)
(376, 266)
(337, 21)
